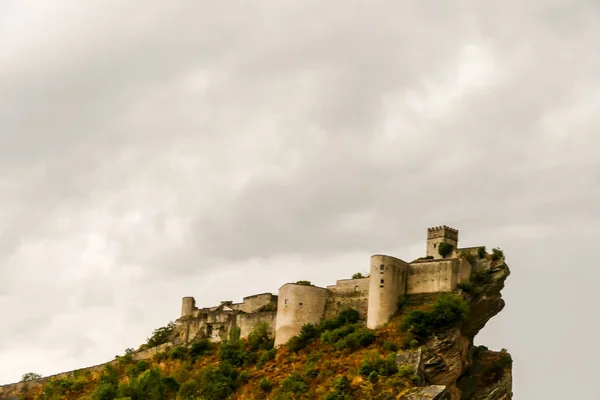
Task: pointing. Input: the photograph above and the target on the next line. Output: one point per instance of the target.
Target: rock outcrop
(453, 362)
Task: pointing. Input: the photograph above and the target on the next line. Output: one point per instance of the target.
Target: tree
(357, 275)
(304, 283)
(30, 376)
(445, 249)
(161, 335)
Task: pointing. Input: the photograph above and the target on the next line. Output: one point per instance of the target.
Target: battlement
(442, 232)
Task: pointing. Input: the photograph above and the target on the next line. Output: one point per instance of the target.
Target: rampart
(431, 276)
(347, 293)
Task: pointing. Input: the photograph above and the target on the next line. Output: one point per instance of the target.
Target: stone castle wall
(247, 321)
(430, 276)
(347, 293)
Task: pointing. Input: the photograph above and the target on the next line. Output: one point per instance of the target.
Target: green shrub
(481, 253)
(104, 391)
(497, 254)
(243, 377)
(350, 337)
(447, 312)
(347, 316)
(266, 356)
(259, 338)
(342, 384)
(178, 353)
(265, 385)
(405, 370)
(136, 369)
(161, 335)
(200, 348)
(481, 277)
(390, 347)
(341, 389)
(373, 376)
(308, 333)
(402, 302)
(189, 390)
(496, 368)
(295, 384)
(30, 376)
(153, 385)
(445, 249)
(382, 367)
(127, 390)
(304, 283)
(216, 383)
(466, 286)
(357, 275)
(109, 375)
(233, 352)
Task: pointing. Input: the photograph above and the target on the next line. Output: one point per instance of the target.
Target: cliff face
(468, 371)
(347, 361)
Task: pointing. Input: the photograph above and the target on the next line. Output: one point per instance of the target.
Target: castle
(374, 297)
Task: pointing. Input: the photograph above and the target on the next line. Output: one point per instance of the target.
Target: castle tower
(187, 306)
(298, 305)
(387, 282)
(441, 234)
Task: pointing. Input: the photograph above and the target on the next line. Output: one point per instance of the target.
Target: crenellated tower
(441, 234)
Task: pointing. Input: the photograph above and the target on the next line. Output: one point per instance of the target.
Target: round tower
(298, 305)
(386, 283)
(187, 306)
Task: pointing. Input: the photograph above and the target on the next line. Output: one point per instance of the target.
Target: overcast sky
(155, 149)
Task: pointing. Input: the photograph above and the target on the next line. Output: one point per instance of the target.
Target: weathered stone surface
(435, 392)
(414, 358)
(446, 359)
(486, 301)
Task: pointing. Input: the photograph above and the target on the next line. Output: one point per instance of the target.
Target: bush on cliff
(30, 376)
(497, 254)
(259, 338)
(201, 348)
(448, 311)
(161, 335)
(233, 350)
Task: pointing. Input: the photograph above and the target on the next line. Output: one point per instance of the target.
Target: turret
(187, 306)
(388, 281)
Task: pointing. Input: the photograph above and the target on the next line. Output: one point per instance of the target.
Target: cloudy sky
(154, 150)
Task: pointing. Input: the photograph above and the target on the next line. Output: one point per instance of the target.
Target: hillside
(426, 351)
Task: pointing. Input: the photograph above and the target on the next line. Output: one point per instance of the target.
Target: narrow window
(381, 267)
(382, 281)
(434, 245)
(300, 304)
(285, 302)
